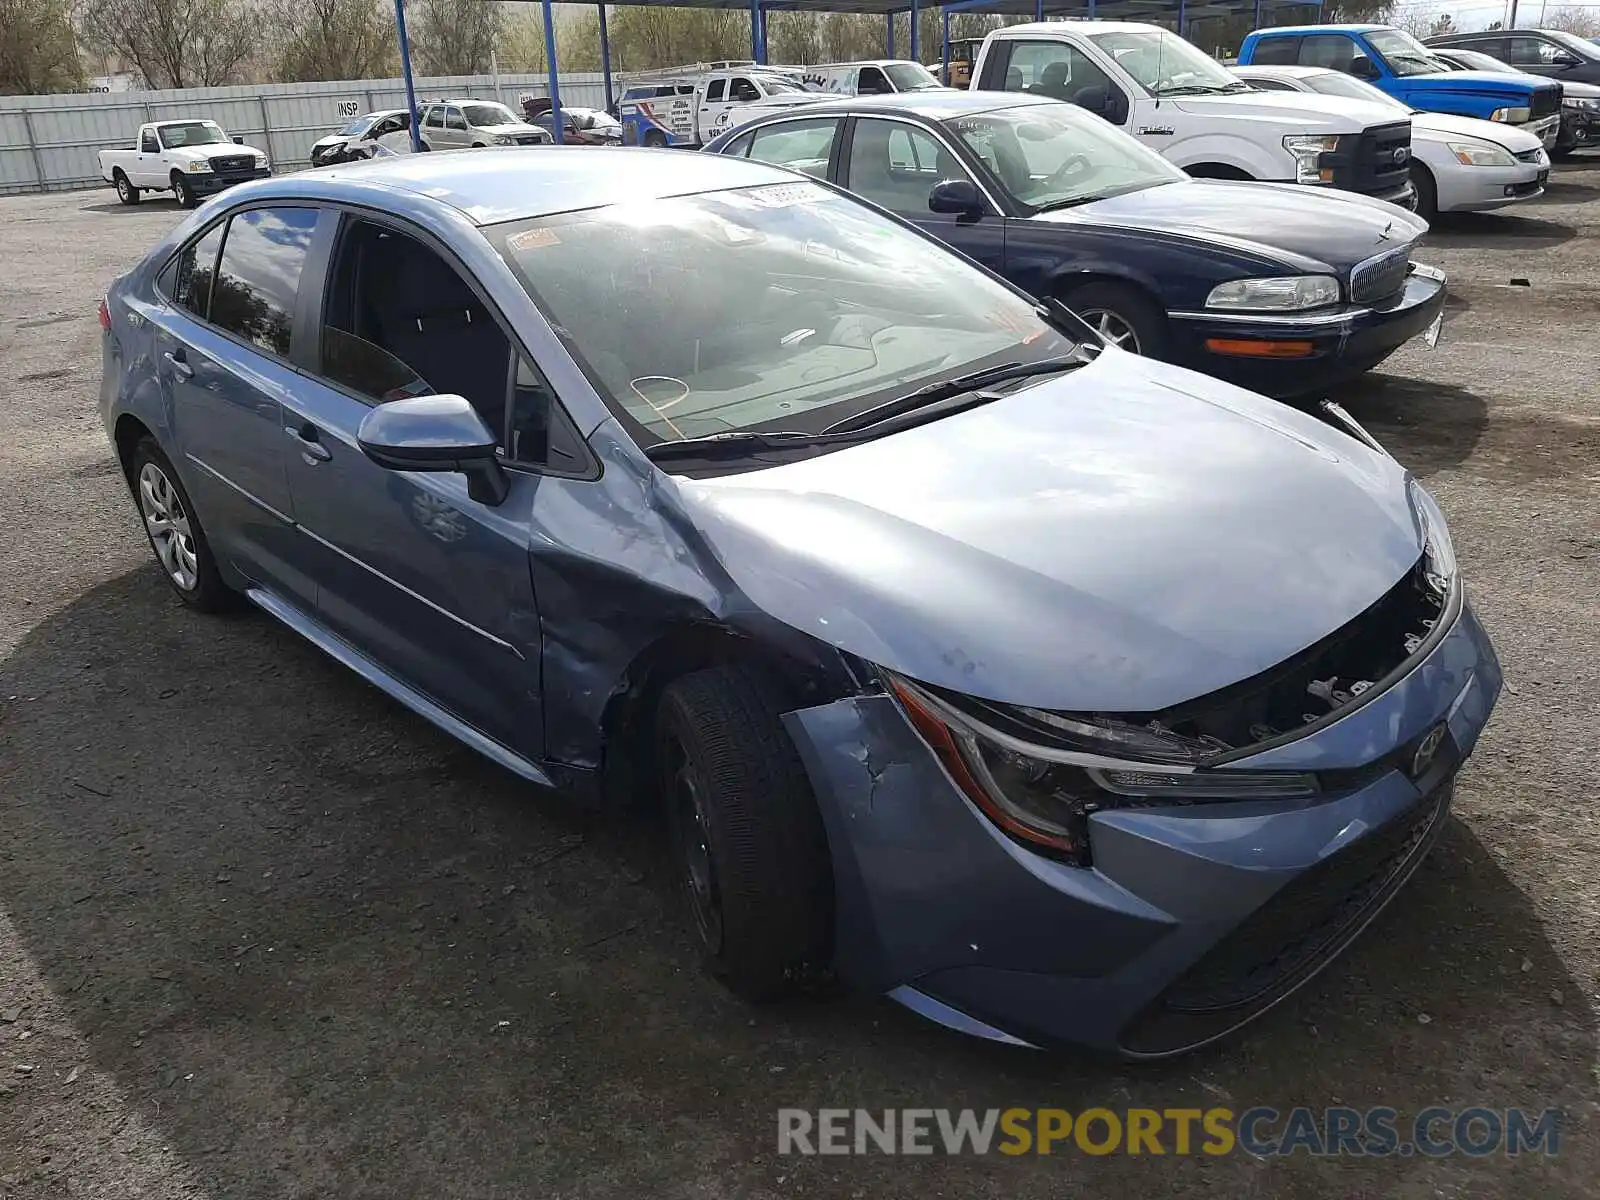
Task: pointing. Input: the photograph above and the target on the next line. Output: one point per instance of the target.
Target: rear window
(1276, 51)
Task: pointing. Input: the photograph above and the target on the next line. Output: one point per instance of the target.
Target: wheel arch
(127, 433)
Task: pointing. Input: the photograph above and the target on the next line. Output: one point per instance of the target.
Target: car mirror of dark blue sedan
(435, 433)
(958, 196)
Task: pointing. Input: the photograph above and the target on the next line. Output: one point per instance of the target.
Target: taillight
(105, 317)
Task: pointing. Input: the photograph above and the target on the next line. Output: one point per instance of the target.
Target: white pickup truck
(681, 109)
(190, 159)
(1193, 111)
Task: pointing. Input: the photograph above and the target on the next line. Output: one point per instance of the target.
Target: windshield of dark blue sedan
(785, 307)
(1053, 155)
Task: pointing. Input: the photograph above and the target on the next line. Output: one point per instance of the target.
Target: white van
(880, 77)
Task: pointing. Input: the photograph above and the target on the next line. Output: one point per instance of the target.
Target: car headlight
(1044, 794)
(1289, 293)
(1481, 154)
(261, 161)
(1511, 116)
(1581, 102)
(1438, 551)
(504, 139)
(198, 166)
(1308, 150)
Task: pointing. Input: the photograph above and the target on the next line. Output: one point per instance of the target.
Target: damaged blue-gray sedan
(1062, 695)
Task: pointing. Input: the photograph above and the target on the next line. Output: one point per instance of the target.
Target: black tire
(208, 593)
(478, 145)
(1427, 192)
(655, 139)
(1132, 306)
(126, 192)
(747, 837)
(182, 190)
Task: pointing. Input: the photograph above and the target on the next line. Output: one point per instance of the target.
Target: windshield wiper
(1193, 89)
(948, 389)
(735, 443)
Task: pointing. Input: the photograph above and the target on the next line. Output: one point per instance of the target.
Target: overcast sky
(1476, 14)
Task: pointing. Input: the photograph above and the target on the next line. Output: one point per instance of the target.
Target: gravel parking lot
(264, 933)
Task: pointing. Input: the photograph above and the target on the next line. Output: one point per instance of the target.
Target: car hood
(1117, 539)
(1579, 91)
(1307, 229)
(333, 139)
(1297, 112)
(512, 128)
(1476, 83)
(1441, 127)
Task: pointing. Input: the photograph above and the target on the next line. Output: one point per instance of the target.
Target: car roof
(931, 106)
(1348, 27)
(1034, 27)
(490, 186)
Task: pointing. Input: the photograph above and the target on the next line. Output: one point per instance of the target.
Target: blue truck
(1394, 61)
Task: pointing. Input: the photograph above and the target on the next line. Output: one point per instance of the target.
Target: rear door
(224, 347)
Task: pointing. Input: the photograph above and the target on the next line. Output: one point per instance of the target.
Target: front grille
(1545, 101)
(1375, 162)
(234, 162)
(1380, 277)
(529, 139)
(1531, 156)
(1285, 941)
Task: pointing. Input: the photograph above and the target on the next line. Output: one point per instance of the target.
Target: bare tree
(330, 39)
(1584, 22)
(38, 52)
(173, 43)
(454, 37)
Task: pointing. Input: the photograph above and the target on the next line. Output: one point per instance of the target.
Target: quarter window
(258, 276)
(193, 271)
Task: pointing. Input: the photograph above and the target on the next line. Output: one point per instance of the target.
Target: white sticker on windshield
(785, 195)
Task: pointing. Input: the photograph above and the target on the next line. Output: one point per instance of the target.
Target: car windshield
(1166, 65)
(482, 116)
(1337, 83)
(910, 77)
(1579, 48)
(359, 126)
(1474, 60)
(1404, 54)
(781, 307)
(193, 133)
(1053, 155)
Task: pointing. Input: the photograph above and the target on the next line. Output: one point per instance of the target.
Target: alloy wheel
(694, 843)
(1113, 327)
(168, 526)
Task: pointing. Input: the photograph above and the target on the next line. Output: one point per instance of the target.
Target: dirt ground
(265, 934)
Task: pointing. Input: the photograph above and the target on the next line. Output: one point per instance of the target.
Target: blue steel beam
(556, 127)
(405, 66)
(946, 56)
(605, 56)
(888, 42)
(916, 45)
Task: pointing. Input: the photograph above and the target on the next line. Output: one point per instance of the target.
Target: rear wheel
(1123, 315)
(747, 837)
(1427, 192)
(126, 192)
(182, 190)
(174, 531)
(655, 139)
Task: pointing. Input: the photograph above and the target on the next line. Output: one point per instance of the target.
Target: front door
(896, 163)
(431, 584)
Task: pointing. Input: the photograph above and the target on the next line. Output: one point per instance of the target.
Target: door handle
(310, 443)
(179, 364)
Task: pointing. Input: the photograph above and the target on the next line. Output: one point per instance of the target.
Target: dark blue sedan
(1281, 288)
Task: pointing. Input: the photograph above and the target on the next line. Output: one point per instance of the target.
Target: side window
(872, 82)
(1331, 51)
(742, 90)
(1276, 52)
(896, 165)
(399, 320)
(148, 143)
(258, 277)
(453, 119)
(1525, 51)
(799, 145)
(188, 281)
(1493, 47)
(714, 90)
(433, 118)
(1053, 69)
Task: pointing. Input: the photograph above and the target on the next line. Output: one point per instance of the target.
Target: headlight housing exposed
(1290, 293)
(1438, 551)
(1512, 116)
(1043, 795)
(1481, 154)
(1308, 149)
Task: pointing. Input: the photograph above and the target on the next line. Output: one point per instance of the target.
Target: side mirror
(1361, 67)
(435, 433)
(958, 196)
(238, 139)
(1564, 60)
(1095, 99)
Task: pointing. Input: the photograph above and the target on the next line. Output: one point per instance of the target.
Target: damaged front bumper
(1193, 919)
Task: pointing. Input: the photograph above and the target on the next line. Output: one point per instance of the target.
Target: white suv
(452, 124)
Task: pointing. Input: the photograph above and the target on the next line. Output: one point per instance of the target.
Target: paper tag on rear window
(784, 195)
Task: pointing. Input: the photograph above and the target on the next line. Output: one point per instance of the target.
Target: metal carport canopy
(1177, 12)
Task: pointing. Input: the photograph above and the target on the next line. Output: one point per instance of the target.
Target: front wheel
(1427, 192)
(1123, 315)
(126, 192)
(747, 837)
(182, 190)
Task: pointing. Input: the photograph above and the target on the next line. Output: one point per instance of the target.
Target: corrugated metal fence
(51, 143)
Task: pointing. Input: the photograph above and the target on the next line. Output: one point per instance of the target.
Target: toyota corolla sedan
(1060, 694)
(1282, 288)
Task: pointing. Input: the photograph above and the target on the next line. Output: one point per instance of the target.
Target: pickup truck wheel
(1427, 192)
(1123, 315)
(182, 190)
(747, 837)
(655, 139)
(126, 192)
